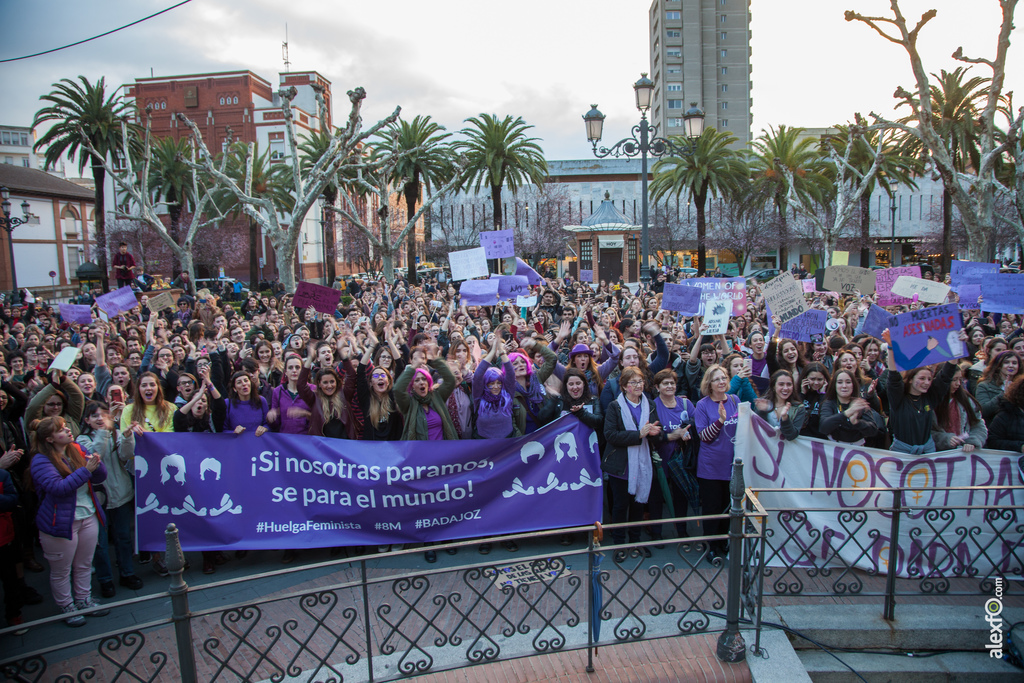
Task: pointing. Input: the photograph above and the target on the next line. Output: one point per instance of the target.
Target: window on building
(7, 137)
(674, 52)
(587, 254)
(675, 104)
(724, 122)
(674, 87)
(725, 70)
(675, 123)
(721, 36)
(725, 105)
(673, 15)
(725, 53)
(673, 69)
(24, 162)
(24, 139)
(673, 33)
(234, 100)
(725, 87)
(222, 101)
(631, 249)
(163, 105)
(9, 160)
(722, 19)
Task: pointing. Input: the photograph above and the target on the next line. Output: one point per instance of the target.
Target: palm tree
(499, 153)
(786, 147)
(713, 168)
(77, 109)
(170, 182)
(955, 115)
(268, 180)
(422, 155)
(311, 149)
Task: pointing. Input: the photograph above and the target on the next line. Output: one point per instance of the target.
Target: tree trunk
(388, 265)
(783, 236)
(330, 240)
(495, 264)
(947, 231)
(411, 192)
(174, 212)
(285, 253)
(702, 258)
(865, 230)
(254, 263)
(99, 177)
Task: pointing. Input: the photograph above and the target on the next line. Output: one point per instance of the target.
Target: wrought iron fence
(381, 624)
(949, 550)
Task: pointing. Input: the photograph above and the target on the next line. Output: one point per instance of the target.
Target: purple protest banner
(322, 299)
(74, 313)
(523, 268)
(1003, 293)
(927, 336)
(479, 292)
(511, 286)
(968, 297)
(963, 273)
(875, 322)
(681, 299)
(497, 243)
(809, 326)
(118, 301)
(586, 276)
(287, 491)
(734, 288)
(886, 278)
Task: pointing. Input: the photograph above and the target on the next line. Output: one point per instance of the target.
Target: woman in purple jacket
(69, 515)
(289, 413)
(246, 409)
(715, 419)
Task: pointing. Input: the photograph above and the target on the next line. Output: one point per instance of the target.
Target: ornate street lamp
(9, 224)
(644, 141)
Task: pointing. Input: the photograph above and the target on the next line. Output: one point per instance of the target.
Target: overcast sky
(544, 60)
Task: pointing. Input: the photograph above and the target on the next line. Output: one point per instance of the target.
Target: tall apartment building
(700, 52)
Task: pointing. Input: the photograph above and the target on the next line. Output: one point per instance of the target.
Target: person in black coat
(1006, 431)
(577, 400)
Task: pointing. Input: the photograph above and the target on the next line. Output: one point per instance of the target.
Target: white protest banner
(718, 287)
(976, 541)
(926, 290)
(497, 243)
(468, 264)
(785, 296)
(526, 301)
(1003, 293)
(716, 316)
(65, 359)
(28, 298)
(850, 279)
(884, 280)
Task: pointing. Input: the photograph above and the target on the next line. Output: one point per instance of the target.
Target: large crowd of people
(404, 362)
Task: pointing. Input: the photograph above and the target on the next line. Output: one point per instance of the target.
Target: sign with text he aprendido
(322, 299)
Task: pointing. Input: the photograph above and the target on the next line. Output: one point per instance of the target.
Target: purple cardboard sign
(681, 299)
(886, 278)
(586, 276)
(322, 299)
(118, 301)
(963, 273)
(74, 313)
(512, 286)
(523, 268)
(876, 321)
(809, 326)
(1003, 293)
(927, 336)
(479, 292)
(309, 492)
(968, 297)
(498, 243)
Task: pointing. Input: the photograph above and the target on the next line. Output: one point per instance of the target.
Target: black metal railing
(951, 550)
(381, 624)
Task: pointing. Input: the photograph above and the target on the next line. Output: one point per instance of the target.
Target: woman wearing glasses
(716, 417)
(630, 424)
(376, 399)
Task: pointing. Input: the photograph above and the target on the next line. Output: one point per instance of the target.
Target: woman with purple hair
(493, 391)
(530, 393)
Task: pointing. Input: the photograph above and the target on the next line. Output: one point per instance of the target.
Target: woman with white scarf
(631, 437)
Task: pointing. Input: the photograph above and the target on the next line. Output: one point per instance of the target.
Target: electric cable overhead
(80, 42)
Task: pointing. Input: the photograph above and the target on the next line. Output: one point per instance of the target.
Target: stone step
(944, 668)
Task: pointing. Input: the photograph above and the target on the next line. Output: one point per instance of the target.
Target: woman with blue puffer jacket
(69, 515)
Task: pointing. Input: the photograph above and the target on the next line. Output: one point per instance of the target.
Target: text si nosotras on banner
(286, 491)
